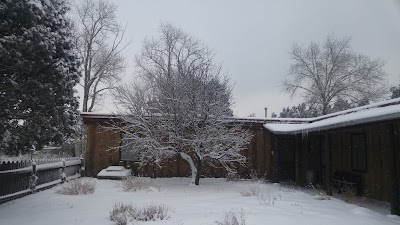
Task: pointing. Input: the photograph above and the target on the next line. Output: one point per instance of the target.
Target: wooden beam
(275, 160)
(394, 183)
(328, 168)
(297, 159)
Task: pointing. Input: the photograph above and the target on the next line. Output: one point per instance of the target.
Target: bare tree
(324, 73)
(100, 41)
(182, 107)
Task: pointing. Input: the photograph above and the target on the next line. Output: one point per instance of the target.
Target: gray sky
(253, 38)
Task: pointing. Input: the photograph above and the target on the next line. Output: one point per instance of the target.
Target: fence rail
(20, 178)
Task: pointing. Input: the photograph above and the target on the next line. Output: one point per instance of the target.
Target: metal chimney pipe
(266, 112)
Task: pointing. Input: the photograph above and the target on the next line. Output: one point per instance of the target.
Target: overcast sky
(253, 38)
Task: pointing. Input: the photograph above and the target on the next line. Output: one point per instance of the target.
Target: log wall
(376, 179)
(100, 140)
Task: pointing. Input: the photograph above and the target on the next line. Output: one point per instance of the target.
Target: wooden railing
(25, 177)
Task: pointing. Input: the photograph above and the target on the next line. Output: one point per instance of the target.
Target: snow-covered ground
(276, 204)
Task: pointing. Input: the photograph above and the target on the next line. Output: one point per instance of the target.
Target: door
(286, 158)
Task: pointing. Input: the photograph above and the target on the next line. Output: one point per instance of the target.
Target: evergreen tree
(300, 111)
(340, 105)
(38, 69)
(395, 92)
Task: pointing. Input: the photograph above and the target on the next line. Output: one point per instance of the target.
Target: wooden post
(33, 179)
(328, 168)
(81, 167)
(298, 158)
(63, 175)
(275, 177)
(394, 183)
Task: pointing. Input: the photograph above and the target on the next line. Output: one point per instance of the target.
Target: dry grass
(122, 213)
(232, 177)
(139, 184)
(77, 187)
(233, 217)
(322, 196)
(251, 190)
(349, 194)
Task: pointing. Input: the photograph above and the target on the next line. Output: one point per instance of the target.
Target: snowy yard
(204, 204)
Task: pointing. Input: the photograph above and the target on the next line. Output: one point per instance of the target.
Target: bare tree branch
(323, 74)
(182, 107)
(100, 41)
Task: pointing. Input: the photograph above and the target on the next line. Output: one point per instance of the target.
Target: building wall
(99, 148)
(376, 179)
(101, 139)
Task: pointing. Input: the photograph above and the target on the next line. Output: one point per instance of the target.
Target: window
(359, 152)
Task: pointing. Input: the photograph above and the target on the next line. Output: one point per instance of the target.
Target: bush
(232, 177)
(322, 196)
(77, 187)
(121, 213)
(138, 184)
(350, 194)
(233, 217)
(252, 190)
(255, 176)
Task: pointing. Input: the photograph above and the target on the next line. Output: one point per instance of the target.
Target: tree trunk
(85, 100)
(193, 168)
(325, 108)
(199, 169)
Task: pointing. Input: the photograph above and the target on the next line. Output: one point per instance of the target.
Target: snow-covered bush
(233, 217)
(138, 184)
(77, 187)
(265, 199)
(257, 176)
(251, 190)
(121, 213)
(322, 196)
(232, 176)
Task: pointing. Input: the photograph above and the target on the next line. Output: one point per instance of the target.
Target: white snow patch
(114, 172)
(353, 118)
(194, 205)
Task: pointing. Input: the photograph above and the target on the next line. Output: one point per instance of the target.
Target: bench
(345, 181)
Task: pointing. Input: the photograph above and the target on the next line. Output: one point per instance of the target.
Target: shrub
(350, 194)
(255, 176)
(265, 199)
(232, 176)
(77, 187)
(121, 213)
(233, 217)
(252, 190)
(138, 184)
(322, 196)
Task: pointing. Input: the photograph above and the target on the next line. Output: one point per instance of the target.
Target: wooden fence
(20, 178)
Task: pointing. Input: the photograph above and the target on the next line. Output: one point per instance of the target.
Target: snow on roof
(102, 115)
(98, 115)
(385, 110)
(379, 111)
